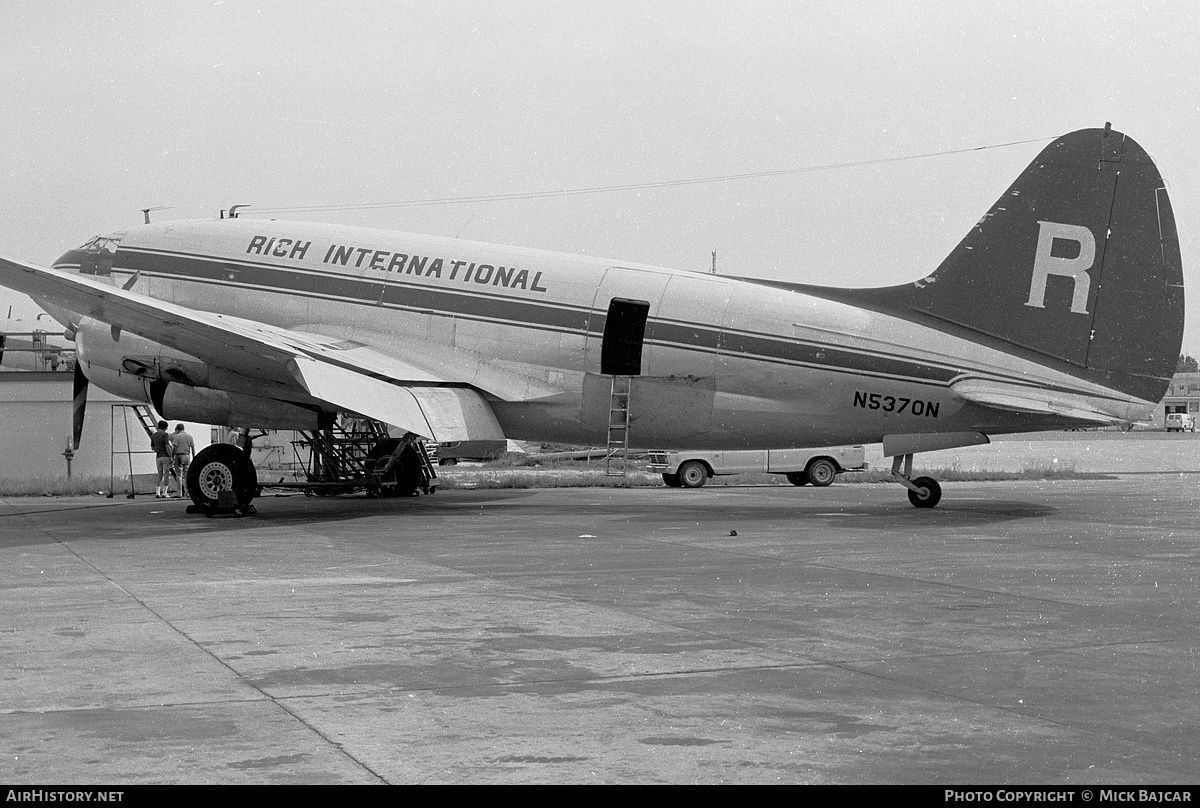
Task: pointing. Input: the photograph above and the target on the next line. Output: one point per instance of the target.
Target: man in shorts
(160, 442)
(183, 445)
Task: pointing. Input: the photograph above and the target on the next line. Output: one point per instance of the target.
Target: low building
(36, 405)
(1182, 396)
(36, 430)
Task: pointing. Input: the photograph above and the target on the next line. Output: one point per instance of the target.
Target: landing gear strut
(923, 492)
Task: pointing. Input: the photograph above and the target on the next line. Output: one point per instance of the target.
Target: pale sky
(110, 108)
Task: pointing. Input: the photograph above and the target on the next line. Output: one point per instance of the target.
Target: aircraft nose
(93, 258)
(70, 261)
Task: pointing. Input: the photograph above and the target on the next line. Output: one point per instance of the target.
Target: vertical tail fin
(1076, 266)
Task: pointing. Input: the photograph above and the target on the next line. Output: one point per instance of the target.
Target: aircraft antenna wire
(603, 189)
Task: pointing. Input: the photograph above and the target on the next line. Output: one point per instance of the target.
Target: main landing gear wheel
(934, 493)
(693, 474)
(672, 480)
(218, 468)
(797, 478)
(821, 472)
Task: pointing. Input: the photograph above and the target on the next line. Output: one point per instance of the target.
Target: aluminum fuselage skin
(726, 364)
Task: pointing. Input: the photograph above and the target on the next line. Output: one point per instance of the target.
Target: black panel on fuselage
(624, 332)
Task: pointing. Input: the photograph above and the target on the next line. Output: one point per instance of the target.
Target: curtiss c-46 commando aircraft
(1062, 307)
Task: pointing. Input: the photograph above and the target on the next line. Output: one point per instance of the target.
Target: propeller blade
(79, 404)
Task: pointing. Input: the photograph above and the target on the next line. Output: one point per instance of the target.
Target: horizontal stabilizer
(1032, 401)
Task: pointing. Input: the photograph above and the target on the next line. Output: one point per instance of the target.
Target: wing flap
(441, 413)
(457, 414)
(369, 396)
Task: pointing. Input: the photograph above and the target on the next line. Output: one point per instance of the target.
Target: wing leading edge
(348, 376)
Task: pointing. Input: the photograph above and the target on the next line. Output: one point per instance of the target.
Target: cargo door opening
(624, 333)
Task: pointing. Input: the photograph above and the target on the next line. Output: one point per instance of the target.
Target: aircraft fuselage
(717, 362)
(724, 363)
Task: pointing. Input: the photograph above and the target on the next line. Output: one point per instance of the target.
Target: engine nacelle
(175, 384)
(125, 353)
(125, 385)
(179, 402)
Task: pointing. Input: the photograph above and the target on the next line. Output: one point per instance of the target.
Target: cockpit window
(97, 255)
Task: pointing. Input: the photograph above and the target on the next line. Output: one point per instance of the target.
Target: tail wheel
(934, 496)
(693, 474)
(821, 471)
(221, 468)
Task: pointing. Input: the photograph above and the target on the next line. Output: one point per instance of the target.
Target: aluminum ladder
(145, 417)
(618, 427)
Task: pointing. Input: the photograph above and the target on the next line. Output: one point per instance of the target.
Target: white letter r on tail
(1076, 268)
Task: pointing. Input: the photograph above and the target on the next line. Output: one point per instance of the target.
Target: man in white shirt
(184, 445)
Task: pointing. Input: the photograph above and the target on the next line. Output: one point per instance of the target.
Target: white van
(1181, 422)
(691, 469)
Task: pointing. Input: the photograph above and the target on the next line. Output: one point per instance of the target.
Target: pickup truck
(691, 469)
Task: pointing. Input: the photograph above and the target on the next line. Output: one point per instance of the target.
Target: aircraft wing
(1032, 400)
(346, 374)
